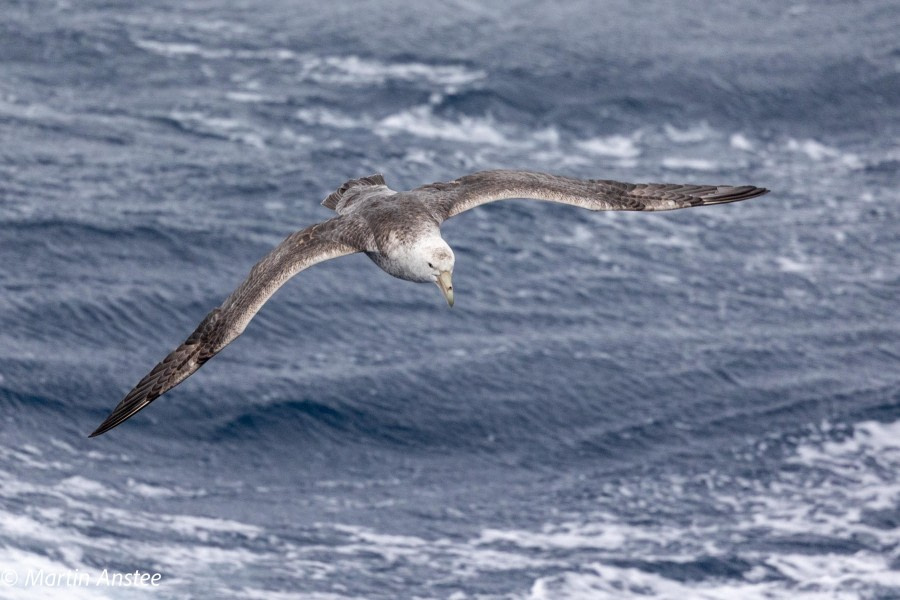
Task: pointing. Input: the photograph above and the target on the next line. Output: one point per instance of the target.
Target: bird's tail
(340, 199)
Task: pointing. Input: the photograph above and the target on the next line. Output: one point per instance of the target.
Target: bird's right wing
(453, 197)
(298, 251)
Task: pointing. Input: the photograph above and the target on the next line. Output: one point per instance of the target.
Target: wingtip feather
(734, 194)
(116, 418)
(105, 426)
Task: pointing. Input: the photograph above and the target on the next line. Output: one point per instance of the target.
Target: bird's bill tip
(445, 282)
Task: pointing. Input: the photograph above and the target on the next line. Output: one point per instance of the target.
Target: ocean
(702, 403)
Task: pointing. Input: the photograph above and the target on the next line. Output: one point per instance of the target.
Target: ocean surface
(694, 404)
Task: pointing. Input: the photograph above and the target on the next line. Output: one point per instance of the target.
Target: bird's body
(400, 232)
(394, 249)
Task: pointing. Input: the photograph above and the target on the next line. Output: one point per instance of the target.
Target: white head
(434, 262)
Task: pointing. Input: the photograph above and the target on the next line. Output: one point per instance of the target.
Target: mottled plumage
(400, 232)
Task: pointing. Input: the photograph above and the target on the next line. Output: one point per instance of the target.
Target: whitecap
(820, 152)
(171, 49)
(607, 582)
(618, 146)
(150, 491)
(695, 133)
(20, 569)
(739, 141)
(691, 164)
(348, 69)
(325, 117)
(567, 536)
(265, 594)
(79, 486)
(199, 527)
(580, 236)
(231, 129)
(791, 265)
(421, 121)
(247, 97)
(357, 71)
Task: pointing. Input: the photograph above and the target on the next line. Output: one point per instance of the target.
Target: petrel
(401, 233)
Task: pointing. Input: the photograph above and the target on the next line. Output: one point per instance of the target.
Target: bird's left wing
(298, 251)
(453, 197)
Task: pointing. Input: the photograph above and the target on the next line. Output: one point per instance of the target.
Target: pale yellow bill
(446, 285)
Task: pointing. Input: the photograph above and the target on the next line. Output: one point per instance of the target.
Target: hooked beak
(443, 282)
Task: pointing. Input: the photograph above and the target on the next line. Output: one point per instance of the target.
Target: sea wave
(700, 403)
(348, 70)
(804, 533)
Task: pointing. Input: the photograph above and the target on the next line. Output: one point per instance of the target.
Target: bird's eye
(430, 266)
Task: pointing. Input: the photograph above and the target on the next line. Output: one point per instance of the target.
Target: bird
(401, 233)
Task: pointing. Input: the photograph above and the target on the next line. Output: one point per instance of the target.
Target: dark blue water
(696, 404)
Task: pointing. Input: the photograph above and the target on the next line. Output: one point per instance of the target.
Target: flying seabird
(401, 233)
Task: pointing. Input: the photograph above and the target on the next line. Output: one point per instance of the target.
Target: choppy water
(698, 404)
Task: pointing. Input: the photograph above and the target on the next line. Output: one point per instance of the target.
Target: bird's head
(437, 261)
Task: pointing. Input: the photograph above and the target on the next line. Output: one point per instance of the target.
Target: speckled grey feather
(385, 224)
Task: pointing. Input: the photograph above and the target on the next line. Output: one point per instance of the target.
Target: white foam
(247, 97)
(790, 265)
(833, 571)
(483, 132)
(422, 122)
(23, 526)
(739, 141)
(200, 527)
(580, 236)
(878, 437)
(232, 129)
(605, 582)
(180, 49)
(618, 146)
(695, 133)
(421, 156)
(350, 70)
(150, 491)
(862, 478)
(692, 164)
(568, 536)
(331, 118)
(864, 457)
(465, 559)
(77, 485)
(28, 458)
(31, 449)
(20, 569)
(172, 49)
(261, 594)
(353, 70)
(820, 152)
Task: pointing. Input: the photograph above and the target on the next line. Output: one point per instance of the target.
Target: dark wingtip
(172, 370)
(105, 426)
(136, 400)
(133, 403)
(735, 194)
(753, 192)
